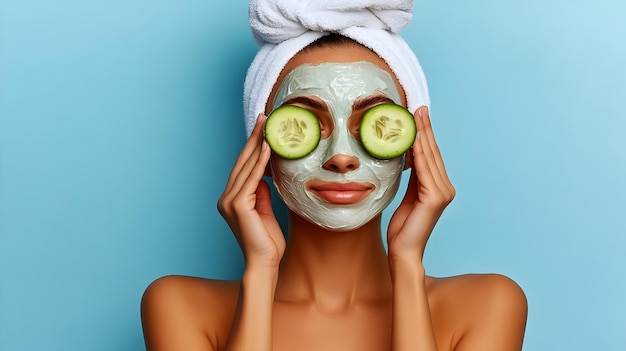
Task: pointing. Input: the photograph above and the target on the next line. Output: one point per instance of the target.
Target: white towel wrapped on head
(282, 28)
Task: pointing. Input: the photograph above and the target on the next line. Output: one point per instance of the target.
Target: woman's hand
(246, 204)
(428, 193)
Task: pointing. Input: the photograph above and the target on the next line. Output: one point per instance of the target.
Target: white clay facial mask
(346, 195)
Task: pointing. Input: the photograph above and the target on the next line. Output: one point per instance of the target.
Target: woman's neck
(334, 270)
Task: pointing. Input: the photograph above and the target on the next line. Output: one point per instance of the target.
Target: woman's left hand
(428, 193)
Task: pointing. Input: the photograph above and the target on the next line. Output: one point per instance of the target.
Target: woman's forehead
(338, 82)
(345, 54)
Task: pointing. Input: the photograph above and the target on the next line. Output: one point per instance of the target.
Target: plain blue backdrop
(120, 120)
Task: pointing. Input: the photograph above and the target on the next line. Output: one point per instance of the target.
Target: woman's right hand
(246, 204)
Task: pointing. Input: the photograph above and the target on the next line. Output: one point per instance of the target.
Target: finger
(252, 174)
(241, 171)
(239, 176)
(265, 223)
(248, 178)
(241, 198)
(436, 153)
(420, 160)
(432, 142)
(427, 137)
(247, 151)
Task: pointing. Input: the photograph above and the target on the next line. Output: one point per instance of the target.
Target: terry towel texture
(282, 28)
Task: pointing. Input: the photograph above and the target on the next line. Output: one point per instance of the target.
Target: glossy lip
(340, 193)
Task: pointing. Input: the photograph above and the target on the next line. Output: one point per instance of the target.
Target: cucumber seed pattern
(388, 130)
(292, 132)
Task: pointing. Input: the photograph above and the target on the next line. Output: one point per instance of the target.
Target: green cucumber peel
(387, 131)
(292, 132)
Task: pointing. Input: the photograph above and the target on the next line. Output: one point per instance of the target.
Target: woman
(332, 286)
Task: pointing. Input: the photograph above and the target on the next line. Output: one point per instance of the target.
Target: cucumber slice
(387, 131)
(292, 132)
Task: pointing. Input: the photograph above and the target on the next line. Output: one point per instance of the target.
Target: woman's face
(339, 186)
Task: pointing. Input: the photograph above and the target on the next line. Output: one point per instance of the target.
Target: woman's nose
(342, 163)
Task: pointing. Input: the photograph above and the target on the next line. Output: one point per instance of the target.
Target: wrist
(260, 263)
(407, 265)
(405, 255)
(260, 269)
(254, 274)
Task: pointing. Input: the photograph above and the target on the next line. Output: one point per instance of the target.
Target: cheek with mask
(318, 188)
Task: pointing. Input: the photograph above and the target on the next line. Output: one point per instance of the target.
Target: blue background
(120, 120)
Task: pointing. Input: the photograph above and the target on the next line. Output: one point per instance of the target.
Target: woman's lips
(340, 193)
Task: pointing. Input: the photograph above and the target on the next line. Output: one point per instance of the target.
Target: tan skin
(326, 290)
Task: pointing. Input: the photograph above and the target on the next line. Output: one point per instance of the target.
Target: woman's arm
(252, 326)
(411, 324)
(184, 313)
(429, 192)
(246, 207)
(490, 310)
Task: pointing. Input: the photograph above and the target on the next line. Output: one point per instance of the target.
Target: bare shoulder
(487, 311)
(180, 312)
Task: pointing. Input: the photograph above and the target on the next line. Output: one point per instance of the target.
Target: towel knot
(275, 21)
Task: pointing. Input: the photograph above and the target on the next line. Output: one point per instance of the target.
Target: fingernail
(263, 145)
(259, 118)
